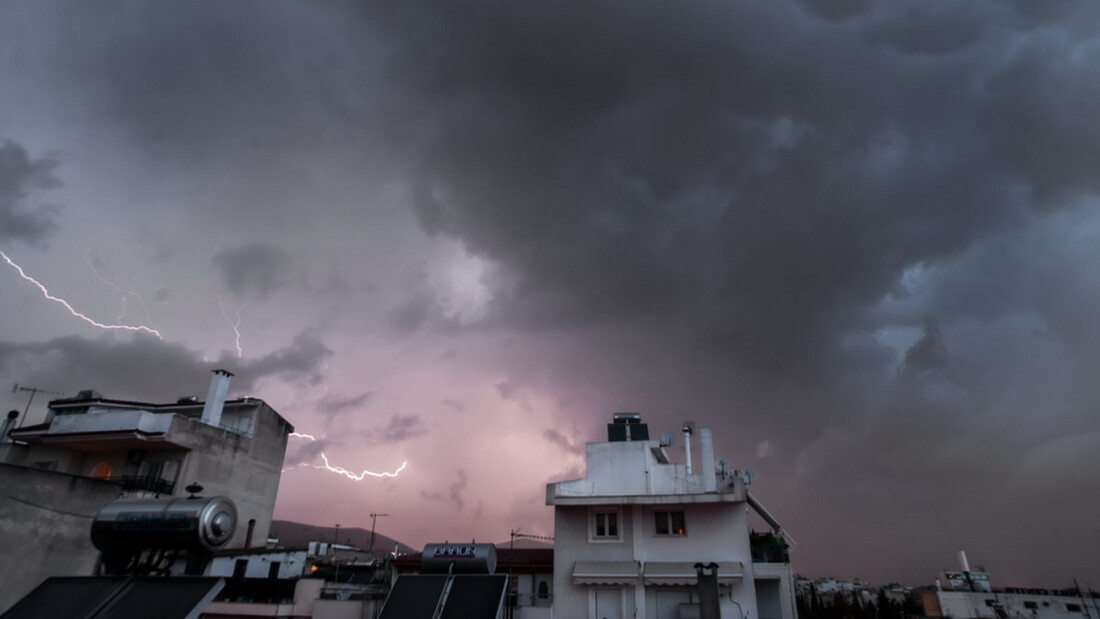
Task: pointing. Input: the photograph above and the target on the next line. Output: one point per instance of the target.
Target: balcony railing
(145, 482)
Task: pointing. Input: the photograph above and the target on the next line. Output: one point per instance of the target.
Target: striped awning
(683, 573)
(605, 573)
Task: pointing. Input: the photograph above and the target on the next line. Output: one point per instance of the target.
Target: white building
(629, 535)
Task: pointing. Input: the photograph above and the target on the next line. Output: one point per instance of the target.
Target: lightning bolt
(46, 293)
(236, 326)
(126, 293)
(340, 470)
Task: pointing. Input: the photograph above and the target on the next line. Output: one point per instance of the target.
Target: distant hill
(298, 535)
(525, 543)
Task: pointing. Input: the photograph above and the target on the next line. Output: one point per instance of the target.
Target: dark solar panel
(164, 598)
(63, 597)
(475, 597)
(116, 598)
(414, 596)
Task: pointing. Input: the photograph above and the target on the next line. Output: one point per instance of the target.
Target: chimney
(6, 425)
(215, 399)
(688, 425)
(706, 460)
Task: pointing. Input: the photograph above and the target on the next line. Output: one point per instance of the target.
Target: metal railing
(147, 483)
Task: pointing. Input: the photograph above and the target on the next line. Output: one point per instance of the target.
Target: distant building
(970, 595)
(629, 535)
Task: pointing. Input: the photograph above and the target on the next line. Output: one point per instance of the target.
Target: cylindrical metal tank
(200, 522)
(466, 558)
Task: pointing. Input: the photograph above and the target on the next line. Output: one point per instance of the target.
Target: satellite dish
(668, 439)
(721, 465)
(748, 476)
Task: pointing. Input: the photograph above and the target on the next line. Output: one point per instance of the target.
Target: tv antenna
(33, 391)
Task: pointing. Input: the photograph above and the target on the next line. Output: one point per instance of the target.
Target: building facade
(631, 536)
(231, 448)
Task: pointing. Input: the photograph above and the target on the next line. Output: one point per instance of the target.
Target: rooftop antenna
(373, 519)
(34, 391)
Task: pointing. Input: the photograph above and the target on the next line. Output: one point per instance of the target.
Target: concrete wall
(45, 520)
(775, 594)
(247, 470)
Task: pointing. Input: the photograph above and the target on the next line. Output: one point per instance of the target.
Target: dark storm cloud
(854, 235)
(146, 369)
(929, 353)
(301, 450)
(23, 216)
(334, 405)
(572, 445)
(300, 360)
(254, 269)
(454, 491)
(734, 195)
(402, 427)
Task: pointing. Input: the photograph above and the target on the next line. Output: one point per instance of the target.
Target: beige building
(232, 448)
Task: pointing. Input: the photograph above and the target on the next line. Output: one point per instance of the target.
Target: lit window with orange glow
(102, 470)
(669, 523)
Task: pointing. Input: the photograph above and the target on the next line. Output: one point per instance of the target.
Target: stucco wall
(45, 520)
(247, 470)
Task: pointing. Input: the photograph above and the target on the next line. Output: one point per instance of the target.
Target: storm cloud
(858, 240)
(23, 214)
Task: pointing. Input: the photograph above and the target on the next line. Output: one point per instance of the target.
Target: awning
(683, 573)
(605, 573)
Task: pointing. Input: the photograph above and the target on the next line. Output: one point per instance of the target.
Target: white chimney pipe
(687, 446)
(215, 399)
(962, 561)
(706, 460)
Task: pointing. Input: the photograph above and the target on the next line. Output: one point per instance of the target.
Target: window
(669, 523)
(1032, 605)
(605, 524)
(1073, 608)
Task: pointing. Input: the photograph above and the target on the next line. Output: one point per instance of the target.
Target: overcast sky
(856, 239)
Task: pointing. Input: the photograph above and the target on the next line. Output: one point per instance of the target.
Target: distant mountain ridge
(293, 534)
(298, 535)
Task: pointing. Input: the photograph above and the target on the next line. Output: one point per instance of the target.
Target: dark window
(1073, 608)
(1031, 605)
(669, 523)
(544, 590)
(239, 568)
(606, 525)
(273, 570)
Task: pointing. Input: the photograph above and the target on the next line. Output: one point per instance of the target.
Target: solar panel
(475, 596)
(414, 596)
(116, 597)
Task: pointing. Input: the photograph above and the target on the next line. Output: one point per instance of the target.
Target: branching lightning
(340, 470)
(235, 325)
(359, 476)
(126, 294)
(72, 311)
